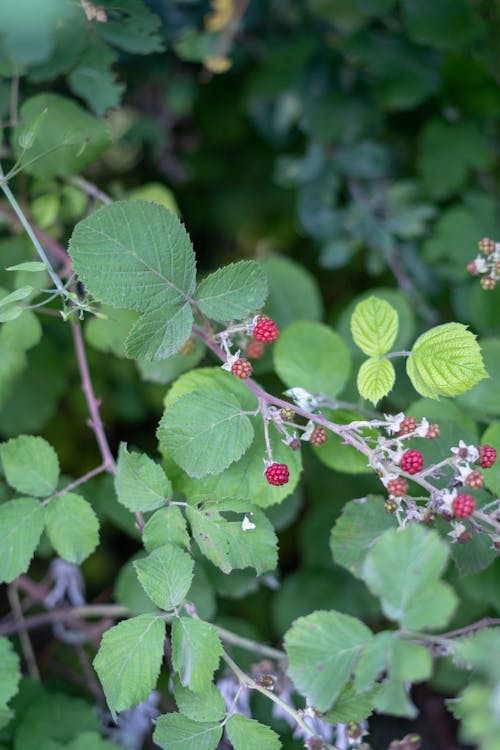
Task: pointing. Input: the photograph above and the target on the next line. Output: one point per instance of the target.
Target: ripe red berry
(398, 487)
(463, 506)
(474, 480)
(412, 461)
(409, 424)
(433, 432)
(266, 330)
(242, 369)
(487, 456)
(255, 349)
(277, 474)
(319, 436)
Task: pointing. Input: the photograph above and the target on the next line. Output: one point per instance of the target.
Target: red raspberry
(412, 461)
(398, 487)
(488, 283)
(472, 268)
(463, 506)
(409, 424)
(266, 330)
(474, 480)
(487, 456)
(242, 369)
(486, 246)
(277, 474)
(319, 436)
(255, 349)
(433, 432)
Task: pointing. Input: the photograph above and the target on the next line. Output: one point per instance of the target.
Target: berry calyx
(433, 432)
(409, 424)
(488, 283)
(242, 369)
(398, 487)
(266, 330)
(277, 474)
(319, 436)
(463, 506)
(412, 461)
(255, 349)
(487, 456)
(474, 480)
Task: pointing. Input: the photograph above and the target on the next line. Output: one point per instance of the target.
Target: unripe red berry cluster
(398, 487)
(412, 461)
(474, 480)
(255, 349)
(433, 432)
(319, 436)
(266, 330)
(242, 369)
(277, 474)
(409, 424)
(487, 456)
(463, 506)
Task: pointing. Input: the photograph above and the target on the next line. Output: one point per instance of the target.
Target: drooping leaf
(30, 464)
(141, 484)
(72, 527)
(375, 379)
(233, 292)
(22, 522)
(166, 575)
(176, 732)
(196, 651)
(374, 326)
(249, 734)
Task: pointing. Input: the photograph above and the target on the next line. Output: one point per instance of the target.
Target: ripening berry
(242, 369)
(398, 487)
(277, 474)
(433, 432)
(487, 456)
(319, 436)
(390, 505)
(287, 414)
(295, 444)
(255, 349)
(412, 461)
(463, 506)
(266, 330)
(409, 424)
(486, 246)
(488, 283)
(464, 537)
(429, 518)
(474, 480)
(472, 268)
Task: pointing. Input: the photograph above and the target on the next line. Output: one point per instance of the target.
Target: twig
(81, 480)
(484, 622)
(22, 632)
(90, 189)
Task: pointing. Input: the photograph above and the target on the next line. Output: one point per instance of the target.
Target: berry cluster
(463, 506)
(412, 461)
(242, 369)
(277, 474)
(265, 330)
(486, 264)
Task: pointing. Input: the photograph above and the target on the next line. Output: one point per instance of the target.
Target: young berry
(433, 432)
(486, 246)
(472, 268)
(474, 480)
(295, 444)
(319, 436)
(314, 743)
(412, 461)
(409, 424)
(266, 330)
(277, 474)
(242, 369)
(464, 537)
(488, 283)
(287, 414)
(463, 506)
(390, 505)
(487, 456)
(255, 349)
(429, 518)
(398, 487)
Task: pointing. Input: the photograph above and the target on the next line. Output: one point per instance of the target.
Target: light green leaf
(30, 464)
(373, 660)
(374, 326)
(22, 522)
(206, 706)
(72, 527)
(196, 652)
(397, 300)
(312, 356)
(249, 734)
(153, 251)
(351, 705)
(177, 732)
(16, 296)
(166, 575)
(10, 671)
(140, 483)
(32, 266)
(402, 569)
(128, 590)
(445, 361)
(375, 379)
(233, 292)
(23, 333)
(323, 649)
(129, 659)
(166, 526)
(205, 432)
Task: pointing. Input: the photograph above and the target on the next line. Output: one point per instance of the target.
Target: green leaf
(358, 527)
(351, 705)
(312, 356)
(129, 659)
(151, 248)
(249, 734)
(205, 706)
(205, 432)
(31, 266)
(9, 309)
(27, 38)
(23, 333)
(22, 522)
(373, 660)
(323, 649)
(166, 526)
(72, 527)
(166, 575)
(176, 732)
(339, 456)
(475, 650)
(140, 483)
(109, 334)
(441, 23)
(90, 741)
(30, 464)
(228, 545)
(131, 26)
(10, 671)
(375, 379)
(94, 80)
(374, 326)
(402, 569)
(196, 652)
(233, 292)
(445, 361)
(484, 398)
(166, 370)
(128, 590)
(67, 139)
(51, 719)
(406, 663)
(293, 292)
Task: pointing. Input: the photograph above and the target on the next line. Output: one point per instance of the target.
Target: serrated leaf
(402, 569)
(205, 706)
(129, 659)
(233, 292)
(10, 671)
(176, 732)
(375, 379)
(351, 705)
(166, 526)
(129, 592)
(249, 734)
(205, 432)
(72, 527)
(131, 26)
(22, 522)
(94, 80)
(406, 663)
(30, 465)
(140, 483)
(196, 652)
(153, 251)
(166, 575)
(445, 361)
(373, 660)
(374, 326)
(475, 650)
(323, 649)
